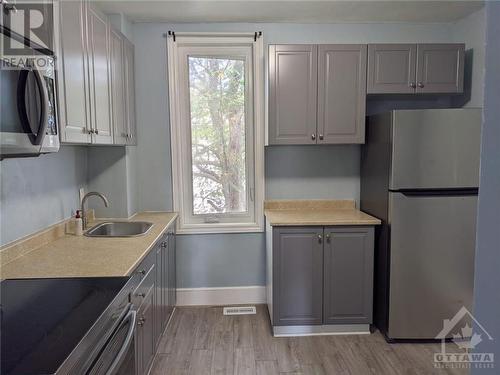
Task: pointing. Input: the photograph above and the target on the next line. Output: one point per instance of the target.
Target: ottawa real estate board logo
(466, 353)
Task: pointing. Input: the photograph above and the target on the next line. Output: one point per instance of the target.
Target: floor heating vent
(240, 310)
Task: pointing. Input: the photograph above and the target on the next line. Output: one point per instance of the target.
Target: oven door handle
(36, 139)
(115, 366)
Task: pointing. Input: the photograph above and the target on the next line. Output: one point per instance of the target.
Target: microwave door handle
(36, 139)
(115, 366)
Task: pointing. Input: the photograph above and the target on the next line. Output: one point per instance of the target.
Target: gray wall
(487, 277)
(312, 172)
(107, 173)
(471, 31)
(291, 172)
(38, 192)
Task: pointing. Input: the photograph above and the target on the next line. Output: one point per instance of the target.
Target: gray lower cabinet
(341, 93)
(322, 275)
(415, 68)
(298, 278)
(154, 297)
(172, 284)
(348, 275)
(145, 332)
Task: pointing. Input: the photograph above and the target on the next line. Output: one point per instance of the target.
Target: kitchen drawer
(143, 287)
(142, 269)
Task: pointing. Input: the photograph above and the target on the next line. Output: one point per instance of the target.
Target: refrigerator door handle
(455, 192)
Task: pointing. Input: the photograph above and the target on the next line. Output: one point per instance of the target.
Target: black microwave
(28, 101)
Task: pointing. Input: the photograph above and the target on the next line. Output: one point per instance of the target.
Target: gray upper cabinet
(292, 94)
(128, 57)
(440, 68)
(317, 94)
(415, 68)
(348, 275)
(118, 81)
(73, 89)
(391, 68)
(297, 275)
(100, 89)
(341, 93)
(95, 78)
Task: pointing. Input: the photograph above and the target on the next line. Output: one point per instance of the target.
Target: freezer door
(435, 148)
(432, 249)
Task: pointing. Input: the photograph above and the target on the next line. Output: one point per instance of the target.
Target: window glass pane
(217, 110)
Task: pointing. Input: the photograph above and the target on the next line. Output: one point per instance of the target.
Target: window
(217, 133)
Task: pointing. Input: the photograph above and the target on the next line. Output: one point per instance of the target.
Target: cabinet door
(145, 336)
(391, 68)
(100, 91)
(348, 275)
(297, 275)
(166, 279)
(440, 68)
(172, 284)
(158, 300)
(341, 93)
(118, 99)
(130, 92)
(292, 94)
(74, 111)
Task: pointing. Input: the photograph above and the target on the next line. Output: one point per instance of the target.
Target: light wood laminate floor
(200, 340)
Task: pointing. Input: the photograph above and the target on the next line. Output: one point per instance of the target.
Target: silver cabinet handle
(142, 272)
(328, 238)
(313, 137)
(141, 321)
(96, 131)
(142, 295)
(320, 238)
(412, 85)
(91, 131)
(164, 244)
(421, 85)
(321, 137)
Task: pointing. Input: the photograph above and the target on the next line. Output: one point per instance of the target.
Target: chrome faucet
(85, 197)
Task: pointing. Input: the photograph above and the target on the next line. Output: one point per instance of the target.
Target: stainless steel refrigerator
(420, 176)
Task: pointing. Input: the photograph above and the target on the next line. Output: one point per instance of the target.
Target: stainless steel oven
(28, 102)
(118, 355)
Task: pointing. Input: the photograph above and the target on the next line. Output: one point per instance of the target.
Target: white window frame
(207, 44)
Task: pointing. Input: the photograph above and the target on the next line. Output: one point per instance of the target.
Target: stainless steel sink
(119, 229)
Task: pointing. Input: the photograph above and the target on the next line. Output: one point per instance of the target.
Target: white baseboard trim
(238, 295)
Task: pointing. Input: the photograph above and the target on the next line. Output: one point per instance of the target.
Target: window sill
(219, 228)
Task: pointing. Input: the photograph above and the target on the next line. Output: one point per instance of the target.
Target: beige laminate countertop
(316, 212)
(81, 256)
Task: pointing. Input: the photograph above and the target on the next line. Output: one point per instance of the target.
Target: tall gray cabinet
(321, 277)
(317, 94)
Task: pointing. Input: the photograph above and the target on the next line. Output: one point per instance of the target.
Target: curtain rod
(173, 34)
